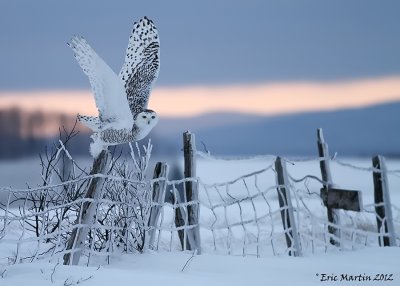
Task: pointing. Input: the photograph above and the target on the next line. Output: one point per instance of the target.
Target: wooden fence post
(333, 215)
(158, 197)
(180, 214)
(285, 203)
(191, 189)
(79, 234)
(383, 208)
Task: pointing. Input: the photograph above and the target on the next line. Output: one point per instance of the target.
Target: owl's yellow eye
(144, 116)
(153, 117)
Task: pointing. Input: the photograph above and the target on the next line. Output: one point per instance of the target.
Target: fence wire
(243, 216)
(237, 217)
(38, 223)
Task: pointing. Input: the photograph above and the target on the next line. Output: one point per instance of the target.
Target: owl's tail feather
(92, 122)
(96, 146)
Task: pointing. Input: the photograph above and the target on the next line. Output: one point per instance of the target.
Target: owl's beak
(148, 121)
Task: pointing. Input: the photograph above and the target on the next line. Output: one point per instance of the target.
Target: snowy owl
(121, 99)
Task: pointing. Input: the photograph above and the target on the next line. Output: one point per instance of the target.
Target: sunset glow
(262, 99)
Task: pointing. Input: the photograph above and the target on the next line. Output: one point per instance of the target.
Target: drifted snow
(166, 269)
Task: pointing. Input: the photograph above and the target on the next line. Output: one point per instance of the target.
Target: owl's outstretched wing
(107, 87)
(142, 63)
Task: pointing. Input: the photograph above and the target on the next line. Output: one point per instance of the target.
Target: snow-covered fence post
(77, 240)
(383, 207)
(191, 190)
(180, 215)
(285, 204)
(333, 215)
(158, 197)
(174, 196)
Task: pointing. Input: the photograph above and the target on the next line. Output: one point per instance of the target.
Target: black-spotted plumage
(142, 64)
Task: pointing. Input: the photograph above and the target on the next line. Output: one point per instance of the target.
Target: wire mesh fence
(42, 222)
(38, 223)
(243, 216)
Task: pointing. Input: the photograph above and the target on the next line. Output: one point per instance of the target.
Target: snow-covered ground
(19, 173)
(170, 269)
(212, 269)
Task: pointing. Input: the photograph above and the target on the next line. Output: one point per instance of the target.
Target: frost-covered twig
(188, 261)
(70, 281)
(53, 272)
(3, 273)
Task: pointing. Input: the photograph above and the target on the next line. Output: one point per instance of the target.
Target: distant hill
(355, 132)
(350, 132)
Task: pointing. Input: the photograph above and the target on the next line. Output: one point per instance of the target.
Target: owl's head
(146, 119)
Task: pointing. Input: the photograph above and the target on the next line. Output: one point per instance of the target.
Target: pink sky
(262, 99)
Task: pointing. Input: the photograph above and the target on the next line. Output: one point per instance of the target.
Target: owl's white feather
(108, 89)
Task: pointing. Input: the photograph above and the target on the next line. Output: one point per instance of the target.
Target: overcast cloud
(203, 42)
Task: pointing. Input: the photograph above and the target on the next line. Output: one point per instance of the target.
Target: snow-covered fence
(50, 222)
(271, 211)
(243, 216)
(40, 222)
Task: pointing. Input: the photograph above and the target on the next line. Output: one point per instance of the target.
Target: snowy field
(166, 269)
(218, 268)
(19, 173)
